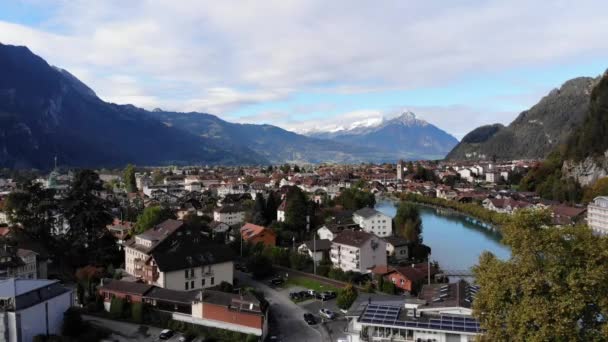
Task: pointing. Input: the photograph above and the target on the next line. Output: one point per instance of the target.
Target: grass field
(311, 284)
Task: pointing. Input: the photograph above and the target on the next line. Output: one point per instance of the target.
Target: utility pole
(314, 253)
(428, 267)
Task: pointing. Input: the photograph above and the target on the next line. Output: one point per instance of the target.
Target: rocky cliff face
(587, 171)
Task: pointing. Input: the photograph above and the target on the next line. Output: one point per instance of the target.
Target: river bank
(456, 240)
(474, 212)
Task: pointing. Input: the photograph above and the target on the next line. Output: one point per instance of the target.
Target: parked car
(327, 313)
(312, 293)
(295, 295)
(276, 281)
(322, 296)
(186, 338)
(310, 319)
(331, 294)
(166, 334)
(304, 294)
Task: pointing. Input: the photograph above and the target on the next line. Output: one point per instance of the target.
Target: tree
(296, 209)
(129, 178)
(87, 213)
(599, 188)
(272, 204)
(137, 312)
(553, 288)
(150, 217)
(346, 297)
(259, 265)
(259, 210)
(407, 222)
(388, 287)
(34, 208)
(355, 199)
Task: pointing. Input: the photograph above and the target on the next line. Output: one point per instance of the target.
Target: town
(283, 252)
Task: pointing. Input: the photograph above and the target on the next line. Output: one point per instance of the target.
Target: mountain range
(46, 112)
(402, 137)
(535, 132)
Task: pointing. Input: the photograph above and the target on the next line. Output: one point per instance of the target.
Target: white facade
(229, 217)
(466, 174)
(196, 278)
(378, 223)
(325, 233)
(597, 215)
(359, 259)
(281, 215)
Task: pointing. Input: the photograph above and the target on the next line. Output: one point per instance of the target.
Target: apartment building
(357, 251)
(597, 215)
(30, 307)
(373, 221)
(229, 214)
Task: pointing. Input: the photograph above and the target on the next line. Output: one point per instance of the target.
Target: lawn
(311, 284)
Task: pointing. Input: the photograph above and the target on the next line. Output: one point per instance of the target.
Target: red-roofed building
(255, 234)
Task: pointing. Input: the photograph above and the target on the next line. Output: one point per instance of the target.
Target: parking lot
(335, 328)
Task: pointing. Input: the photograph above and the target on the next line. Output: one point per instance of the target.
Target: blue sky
(310, 65)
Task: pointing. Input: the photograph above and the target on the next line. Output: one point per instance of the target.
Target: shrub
(346, 297)
(72, 323)
(116, 307)
(388, 287)
(137, 312)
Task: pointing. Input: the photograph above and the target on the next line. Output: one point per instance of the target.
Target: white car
(327, 313)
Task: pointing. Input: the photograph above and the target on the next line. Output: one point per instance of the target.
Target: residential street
(287, 315)
(123, 331)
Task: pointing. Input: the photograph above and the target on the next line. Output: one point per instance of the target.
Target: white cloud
(220, 56)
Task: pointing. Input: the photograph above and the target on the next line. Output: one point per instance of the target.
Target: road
(123, 331)
(287, 315)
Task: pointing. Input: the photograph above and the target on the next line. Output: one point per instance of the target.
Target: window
(212, 280)
(192, 272)
(186, 285)
(192, 284)
(203, 282)
(186, 273)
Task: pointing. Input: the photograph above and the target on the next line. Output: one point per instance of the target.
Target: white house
(139, 248)
(30, 307)
(373, 221)
(466, 174)
(397, 247)
(18, 263)
(229, 214)
(188, 265)
(597, 215)
(357, 251)
(316, 249)
(281, 211)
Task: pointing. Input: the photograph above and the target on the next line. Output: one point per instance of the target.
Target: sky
(317, 65)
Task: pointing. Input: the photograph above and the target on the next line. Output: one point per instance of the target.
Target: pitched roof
(319, 245)
(156, 234)
(250, 230)
(416, 272)
(126, 287)
(396, 241)
(355, 238)
(188, 254)
(228, 209)
(367, 212)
